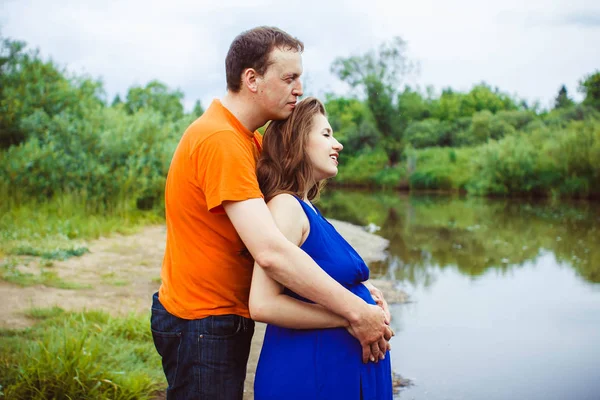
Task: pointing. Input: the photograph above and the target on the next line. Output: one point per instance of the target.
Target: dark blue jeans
(202, 358)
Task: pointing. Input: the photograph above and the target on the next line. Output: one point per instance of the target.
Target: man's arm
(268, 303)
(288, 264)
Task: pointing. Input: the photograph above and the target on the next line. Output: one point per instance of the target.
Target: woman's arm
(268, 303)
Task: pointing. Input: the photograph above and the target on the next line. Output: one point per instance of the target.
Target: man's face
(280, 86)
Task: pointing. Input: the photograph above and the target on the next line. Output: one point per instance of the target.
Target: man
(215, 211)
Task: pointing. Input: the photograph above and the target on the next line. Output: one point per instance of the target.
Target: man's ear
(250, 79)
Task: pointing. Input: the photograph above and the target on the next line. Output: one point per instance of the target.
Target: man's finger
(387, 335)
(366, 353)
(382, 347)
(386, 310)
(375, 351)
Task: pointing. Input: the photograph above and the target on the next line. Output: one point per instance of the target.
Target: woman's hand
(379, 300)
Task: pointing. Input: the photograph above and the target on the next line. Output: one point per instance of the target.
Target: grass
(110, 278)
(67, 355)
(56, 254)
(58, 228)
(44, 313)
(10, 272)
(80, 355)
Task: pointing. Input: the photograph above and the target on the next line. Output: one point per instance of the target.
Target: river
(505, 294)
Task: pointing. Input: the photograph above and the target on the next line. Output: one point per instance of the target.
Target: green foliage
(370, 169)
(352, 124)
(590, 86)
(30, 85)
(379, 74)
(518, 119)
(562, 99)
(81, 355)
(545, 162)
(560, 118)
(482, 97)
(55, 228)
(44, 313)
(442, 169)
(454, 105)
(486, 126)
(436, 178)
(198, 109)
(412, 106)
(116, 101)
(103, 158)
(62, 143)
(428, 133)
(155, 96)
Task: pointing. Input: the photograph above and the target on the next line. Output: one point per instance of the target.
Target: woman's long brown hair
(284, 165)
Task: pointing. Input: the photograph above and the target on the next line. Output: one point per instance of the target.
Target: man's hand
(372, 331)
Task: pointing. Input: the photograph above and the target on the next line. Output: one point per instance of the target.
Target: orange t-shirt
(206, 268)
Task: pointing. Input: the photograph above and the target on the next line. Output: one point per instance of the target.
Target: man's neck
(244, 110)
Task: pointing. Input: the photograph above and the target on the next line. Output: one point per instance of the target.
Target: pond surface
(505, 293)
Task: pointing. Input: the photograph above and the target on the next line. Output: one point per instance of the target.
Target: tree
(116, 101)
(590, 86)
(562, 99)
(380, 74)
(352, 124)
(31, 85)
(482, 97)
(198, 109)
(156, 96)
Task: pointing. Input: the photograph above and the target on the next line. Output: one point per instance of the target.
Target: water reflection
(472, 235)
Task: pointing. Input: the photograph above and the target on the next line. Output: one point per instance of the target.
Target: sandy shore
(371, 248)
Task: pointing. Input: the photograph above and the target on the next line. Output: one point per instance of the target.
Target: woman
(308, 352)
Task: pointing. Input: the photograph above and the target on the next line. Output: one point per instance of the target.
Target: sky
(527, 49)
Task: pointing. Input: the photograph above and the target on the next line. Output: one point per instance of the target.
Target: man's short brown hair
(251, 49)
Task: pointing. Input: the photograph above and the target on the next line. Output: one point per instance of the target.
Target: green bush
(430, 179)
(544, 162)
(103, 158)
(361, 170)
(442, 168)
(428, 133)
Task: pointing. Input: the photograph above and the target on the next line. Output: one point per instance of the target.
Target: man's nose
(298, 91)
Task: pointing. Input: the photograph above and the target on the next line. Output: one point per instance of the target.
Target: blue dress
(322, 364)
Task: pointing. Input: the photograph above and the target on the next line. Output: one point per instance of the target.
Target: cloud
(582, 19)
(183, 43)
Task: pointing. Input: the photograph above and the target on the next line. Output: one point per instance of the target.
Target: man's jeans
(203, 358)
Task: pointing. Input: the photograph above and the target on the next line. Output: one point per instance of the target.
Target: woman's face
(323, 149)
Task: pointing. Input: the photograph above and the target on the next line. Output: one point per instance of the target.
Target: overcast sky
(526, 48)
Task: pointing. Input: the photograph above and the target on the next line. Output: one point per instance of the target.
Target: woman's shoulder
(290, 216)
(285, 202)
